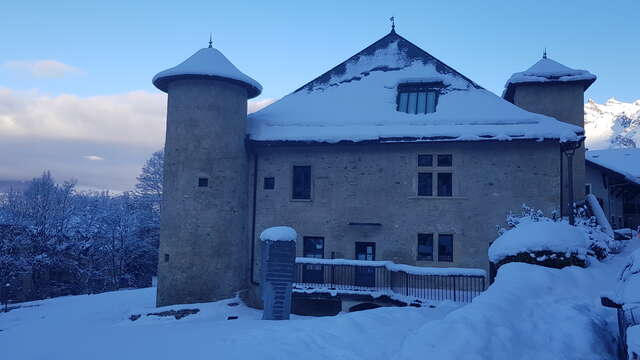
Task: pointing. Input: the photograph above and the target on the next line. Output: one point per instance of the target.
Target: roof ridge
(392, 34)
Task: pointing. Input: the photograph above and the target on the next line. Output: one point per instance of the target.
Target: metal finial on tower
(393, 23)
(210, 39)
(544, 53)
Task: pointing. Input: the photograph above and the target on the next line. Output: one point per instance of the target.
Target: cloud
(40, 131)
(41, 68)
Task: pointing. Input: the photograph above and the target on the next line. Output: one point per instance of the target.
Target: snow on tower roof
(547, 70)
(625, 162)
(207, 63)
(356, 101)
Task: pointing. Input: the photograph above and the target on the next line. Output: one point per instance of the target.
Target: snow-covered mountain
(612, 125)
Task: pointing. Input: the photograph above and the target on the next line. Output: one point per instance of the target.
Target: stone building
(390, 155)
(613, 177)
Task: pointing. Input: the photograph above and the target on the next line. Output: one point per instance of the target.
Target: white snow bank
(360, 105)
(628, 291)
(279, 233)
(532, 236)
(97, 327)
(530, 312)
(389, 265)
(208, 62)
(623, 161)
(547, 70)
(633, 340)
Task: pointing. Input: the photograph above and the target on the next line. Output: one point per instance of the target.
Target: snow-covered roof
(625, 162)
(208, 63)
(356, 101)
(545, 71)
(279, 233)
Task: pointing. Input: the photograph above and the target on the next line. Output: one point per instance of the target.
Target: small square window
(269, 183)
(445, 160)
(425, 247)
(425, 184)
(203, 182)
(425, 160)
(445, 247)
(445, 185)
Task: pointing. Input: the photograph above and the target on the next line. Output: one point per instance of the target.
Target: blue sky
(120, 45)
(75, 76)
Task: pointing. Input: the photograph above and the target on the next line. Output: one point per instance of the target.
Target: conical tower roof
(547, 71)
(207, 63)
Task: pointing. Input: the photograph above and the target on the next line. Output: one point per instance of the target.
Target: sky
(75, 76)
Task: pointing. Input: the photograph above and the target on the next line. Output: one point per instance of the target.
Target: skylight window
(418, 98)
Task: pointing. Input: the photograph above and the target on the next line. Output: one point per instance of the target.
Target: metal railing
(400, 282)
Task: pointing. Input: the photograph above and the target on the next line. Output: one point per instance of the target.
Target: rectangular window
(445, 160)
(425, 160)
(425, 247)
(269, 183)
(203, 182)
(445, 247)
(445, 186)
(587, 189)
(425, 184)
(301, 182)
(418, 98)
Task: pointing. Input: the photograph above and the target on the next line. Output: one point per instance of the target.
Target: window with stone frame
(445, 247)
(425, 247)
(435, 175)
(301, 183)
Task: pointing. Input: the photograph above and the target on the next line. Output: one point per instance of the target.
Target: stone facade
(377, 183)
(564, 102)
(203, 238)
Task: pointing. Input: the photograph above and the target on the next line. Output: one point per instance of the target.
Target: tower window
(203, 182)
(269, 183)
(166, 257)
(418, 98)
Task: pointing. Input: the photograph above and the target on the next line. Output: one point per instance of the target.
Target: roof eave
(162, 83)
(510, 90)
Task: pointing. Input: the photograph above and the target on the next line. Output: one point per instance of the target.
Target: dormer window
(418, 98)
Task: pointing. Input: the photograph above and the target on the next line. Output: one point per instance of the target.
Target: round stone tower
(555, 90)
(203, 226)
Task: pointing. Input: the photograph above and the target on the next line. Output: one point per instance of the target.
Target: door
(365, 275)
(313, 247)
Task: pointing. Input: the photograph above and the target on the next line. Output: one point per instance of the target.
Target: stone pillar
(278, 270)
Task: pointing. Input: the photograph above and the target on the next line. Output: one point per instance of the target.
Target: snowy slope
(96, 327)
(613, 124)
(530, 312)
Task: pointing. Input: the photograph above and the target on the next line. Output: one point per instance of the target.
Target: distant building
(613, 177)
(390, 155)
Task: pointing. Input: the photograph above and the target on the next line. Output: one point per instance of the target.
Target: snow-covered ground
(530, 312)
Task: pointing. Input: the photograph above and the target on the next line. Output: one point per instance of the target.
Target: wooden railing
(377, 278)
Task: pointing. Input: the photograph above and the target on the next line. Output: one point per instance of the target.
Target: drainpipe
(570, 151)
(253, 216)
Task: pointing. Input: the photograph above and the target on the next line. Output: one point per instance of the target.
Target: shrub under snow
(536, 239)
